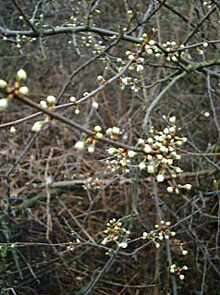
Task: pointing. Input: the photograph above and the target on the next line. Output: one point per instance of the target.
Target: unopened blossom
(79, 145)
(23, 90)
(51, 99)
(3, 84)
(3, 104)
(95, 105)
(21, 75)
(38, 126)
(160, 178)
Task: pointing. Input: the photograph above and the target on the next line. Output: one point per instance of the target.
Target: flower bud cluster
(90, 41)
(92, 183)
(22, 40)
(120, 159)
(176, 188)
(158, 154)
(137, 66)
(138, 62)
(131, 82)
(178, 270)
(208, 4)
(49, 104)
(170, 47)
(162, 231)
(90, 141)
(161, 151)
(179, 247)
(114, 133)
(16, 89)
(115, 232)
(73, 100)
(152, 49)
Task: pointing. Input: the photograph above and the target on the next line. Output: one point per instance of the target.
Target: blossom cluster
(156, 155)
(151, 48)
(90, 142)
(161, 151)
(10, 90)
(49, 104)
(162, 231)
(116, 233)
(178, 270)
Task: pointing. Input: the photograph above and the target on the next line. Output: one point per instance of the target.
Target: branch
(69, 30)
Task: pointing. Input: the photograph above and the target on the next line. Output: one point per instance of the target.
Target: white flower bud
(170, 161)
(116, 130)
(140, 141)
(206, 114)
(174, 58)
(140, 68)
(12, 130)
(95, 105)
(3, 84)
(172, 119)
(72, 99)
(149, 51)
(91, 148)
(123, 162)
(43, 104)
(147, 148)
(51, 99)
(157, 245)
(173, 268)
(142, 165)
(79, 145)
(131, 57)
(172, 129)
(99, 135)
(38, 126)
(77, 111)
(188, 186)
(181, 277)
(3, 104)
(21, 75)
(178, 170)
(159, 157)
(179, 142)
(150, 140)
(163, 149)
(151, 42)
(104, 241)
(123, 245)
(170, 189)
(160, 178)
(131, 154)
(150, 169)
(97, 128)
(23, 90)
(112, 151)
(109, 131)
